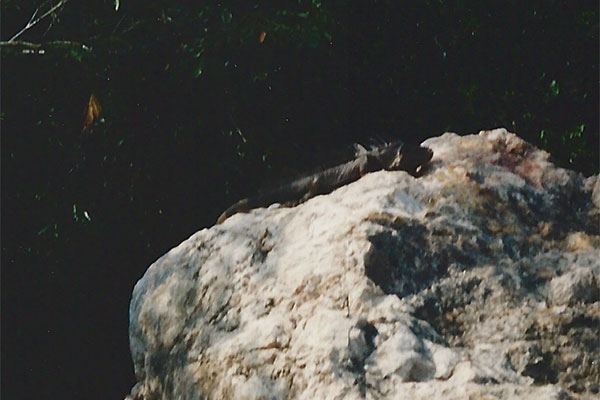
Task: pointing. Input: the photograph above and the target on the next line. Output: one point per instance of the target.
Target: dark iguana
(391, 157)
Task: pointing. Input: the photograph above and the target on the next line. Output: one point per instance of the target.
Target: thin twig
(33, 16)
(33, 21)
(118, 23)
(237, 128)
(54, 18)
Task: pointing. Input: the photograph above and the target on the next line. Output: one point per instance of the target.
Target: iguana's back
(394, 156)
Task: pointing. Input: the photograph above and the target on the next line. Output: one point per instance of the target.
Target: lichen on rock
(479, 279)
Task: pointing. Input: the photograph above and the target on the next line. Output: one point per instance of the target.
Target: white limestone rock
(477, 280)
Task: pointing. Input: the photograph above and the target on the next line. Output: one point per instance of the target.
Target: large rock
(479, 279)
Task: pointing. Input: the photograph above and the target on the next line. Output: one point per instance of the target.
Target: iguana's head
(410, 158)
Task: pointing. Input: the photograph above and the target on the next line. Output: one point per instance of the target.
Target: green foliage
(248, 79)
(204, 102)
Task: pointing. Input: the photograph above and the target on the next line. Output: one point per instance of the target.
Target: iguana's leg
(313, 189)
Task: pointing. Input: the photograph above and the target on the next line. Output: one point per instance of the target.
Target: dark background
(204, 103)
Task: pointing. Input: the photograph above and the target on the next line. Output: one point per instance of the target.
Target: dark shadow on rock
(361, 344)
(403, 259)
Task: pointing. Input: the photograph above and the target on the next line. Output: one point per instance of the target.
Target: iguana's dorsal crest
(359, 150)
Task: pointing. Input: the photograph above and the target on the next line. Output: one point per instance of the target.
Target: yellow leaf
(262, 37)
(92, 111)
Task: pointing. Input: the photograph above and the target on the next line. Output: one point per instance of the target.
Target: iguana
(391, 157)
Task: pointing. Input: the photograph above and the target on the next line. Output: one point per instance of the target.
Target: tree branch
(41, 46)
(33, 21)
(20, 43)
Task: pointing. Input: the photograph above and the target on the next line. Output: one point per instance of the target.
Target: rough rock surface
(480, 279)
